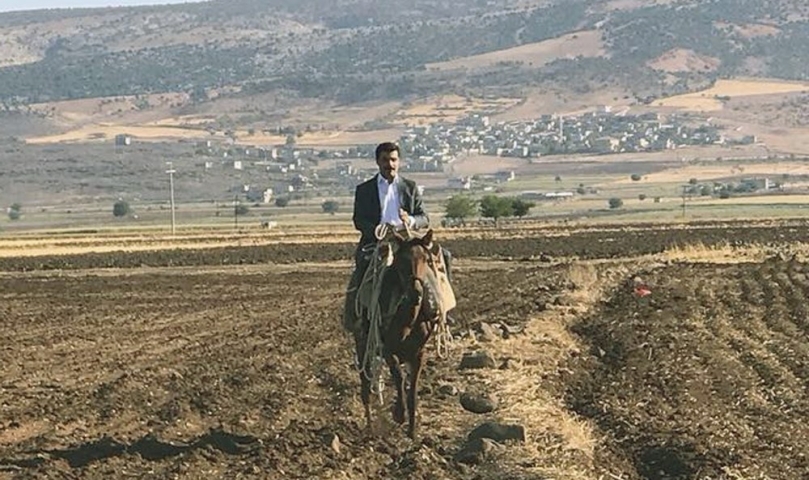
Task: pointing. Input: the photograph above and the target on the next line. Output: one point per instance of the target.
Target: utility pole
(236, 212)
(171, 171)
(684, 190)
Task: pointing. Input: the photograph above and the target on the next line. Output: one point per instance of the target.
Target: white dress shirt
(389, 200)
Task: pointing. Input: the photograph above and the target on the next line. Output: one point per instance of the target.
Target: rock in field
(480, 359)
(498, 432)
(478, 403)
(474, 451)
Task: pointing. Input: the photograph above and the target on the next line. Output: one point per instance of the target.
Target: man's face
(388, 164)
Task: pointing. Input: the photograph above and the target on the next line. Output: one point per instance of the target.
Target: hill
(358, 50)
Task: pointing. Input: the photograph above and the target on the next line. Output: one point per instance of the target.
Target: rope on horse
(372, 356)
(443, 336)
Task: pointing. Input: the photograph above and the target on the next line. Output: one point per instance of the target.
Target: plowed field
(705, 377)
(210, 375)
(231, 363)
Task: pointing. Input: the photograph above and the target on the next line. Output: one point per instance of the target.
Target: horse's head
(409, 274)
(410, 258)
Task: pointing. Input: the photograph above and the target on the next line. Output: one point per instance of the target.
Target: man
(387, 198)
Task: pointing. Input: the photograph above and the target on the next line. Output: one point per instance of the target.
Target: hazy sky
(11, 5)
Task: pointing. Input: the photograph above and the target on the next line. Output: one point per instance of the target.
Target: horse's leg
(398, 382)
(412, 395)
(365, 393)
(365, 384)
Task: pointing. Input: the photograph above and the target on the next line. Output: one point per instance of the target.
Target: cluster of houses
(599, 132)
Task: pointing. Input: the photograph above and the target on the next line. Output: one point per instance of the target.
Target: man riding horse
(386, 199)
(400, 292)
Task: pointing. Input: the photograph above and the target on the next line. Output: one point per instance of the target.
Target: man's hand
(404, 217)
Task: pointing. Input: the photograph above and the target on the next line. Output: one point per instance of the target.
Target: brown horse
(408, 315)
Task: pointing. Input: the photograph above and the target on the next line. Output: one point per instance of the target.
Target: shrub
(492, 206)
(15, 211)
(615, 202)
(520, 208)
(460, 207)
(330, 206)
(121, 208)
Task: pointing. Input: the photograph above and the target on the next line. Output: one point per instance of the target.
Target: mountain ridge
(367, 50)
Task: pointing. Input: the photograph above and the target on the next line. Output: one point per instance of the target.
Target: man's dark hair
(386, 147)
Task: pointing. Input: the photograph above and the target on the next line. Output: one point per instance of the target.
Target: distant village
(601, 132)
(291, 169)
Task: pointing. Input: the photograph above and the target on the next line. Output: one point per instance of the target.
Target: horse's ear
(427, 239)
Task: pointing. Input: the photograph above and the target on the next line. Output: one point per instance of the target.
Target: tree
(635, 177)
(692, 181)
(15, 211)
(330, 206)
(615, 202)
(642, 197)
(520, 208)
(121, 208)
(494, 207)
(460, 207)
(281, 202)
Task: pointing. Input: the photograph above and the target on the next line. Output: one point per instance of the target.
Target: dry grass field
(681, 60)
(448, 108)
(707, 101)
(584, 43)
(164, 131)
(724, 169)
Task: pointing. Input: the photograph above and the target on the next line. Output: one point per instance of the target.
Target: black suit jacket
(368, 211)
